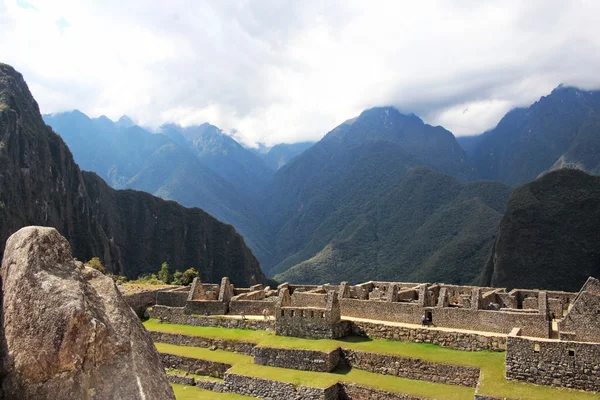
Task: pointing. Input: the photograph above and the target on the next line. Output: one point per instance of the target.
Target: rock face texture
(132, 232)
(68, 332)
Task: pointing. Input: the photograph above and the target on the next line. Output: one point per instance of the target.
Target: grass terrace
(491, 364)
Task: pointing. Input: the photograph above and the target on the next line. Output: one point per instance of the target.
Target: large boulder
(69, 333)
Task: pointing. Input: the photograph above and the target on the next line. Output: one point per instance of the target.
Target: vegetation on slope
(548, 237)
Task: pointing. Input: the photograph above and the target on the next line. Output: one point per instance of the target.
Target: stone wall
(412, 368)
(201, 307)
(533, 324)
(195, 365)
(172, 298)
(348, 391)
(176, 315)
(309, 327)
(455, 340)
(582, 322)
(196, 341)
(251, 307)
(268, 389)
(304, 299)
(306, 360)
(554, 363)
(181, 380)
(139, 302)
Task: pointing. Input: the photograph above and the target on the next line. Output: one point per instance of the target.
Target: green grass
(221, 356)
(491, 364)
(183, 392)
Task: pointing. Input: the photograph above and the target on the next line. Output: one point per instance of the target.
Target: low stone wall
(181, 380)
(268, 389)
(306, 360)
(554, 363)
(251, 307)
(303, 299)
(195, 365)
(195, 341)
(140, 301)
(210, 385)
(412, 368)
(532, 324)
(354, 392)
(172, 298)
(201, 307)
(312, 328)
(176, 315)
(455, 340)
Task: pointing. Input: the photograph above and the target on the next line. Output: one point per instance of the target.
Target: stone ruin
(545, 333)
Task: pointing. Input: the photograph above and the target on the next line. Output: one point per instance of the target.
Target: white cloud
(286, 71)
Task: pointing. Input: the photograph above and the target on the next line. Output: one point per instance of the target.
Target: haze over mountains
(382, 196)
(132, 232)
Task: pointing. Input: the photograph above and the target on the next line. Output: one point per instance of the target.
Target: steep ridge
(131, 232)
(354, 163)
(560, 129)
(548, 237)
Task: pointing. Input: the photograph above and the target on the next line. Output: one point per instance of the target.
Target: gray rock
(69, 333)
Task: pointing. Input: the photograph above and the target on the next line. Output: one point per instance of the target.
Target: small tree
(164, 274)
(96, 264)
(188, 276)
(177, 277)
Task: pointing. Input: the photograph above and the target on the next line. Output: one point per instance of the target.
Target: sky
(288, 71)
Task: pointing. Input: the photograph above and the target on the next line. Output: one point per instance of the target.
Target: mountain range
(382, 196)
(132, 232)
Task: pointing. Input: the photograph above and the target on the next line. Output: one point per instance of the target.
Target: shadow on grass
(355, 339)
(342, 370)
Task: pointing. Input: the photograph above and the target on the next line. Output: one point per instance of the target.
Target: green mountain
(548, 237)
(346, 188)
(426, 227)
(245, 170)
(561, 129)
(132, 232)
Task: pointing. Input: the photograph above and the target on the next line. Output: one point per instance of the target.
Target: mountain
(114, 150)
(548, 237)
(281, 154)
(427, 227)
(336, 189)
(132, 232)
(129, 157)
(561, 129)
(245, 170)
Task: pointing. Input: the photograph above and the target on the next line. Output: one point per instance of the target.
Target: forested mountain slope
(549, 236)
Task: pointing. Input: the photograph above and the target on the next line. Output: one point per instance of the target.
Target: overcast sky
(288, 71)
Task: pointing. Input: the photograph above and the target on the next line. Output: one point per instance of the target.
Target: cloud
(287, 71)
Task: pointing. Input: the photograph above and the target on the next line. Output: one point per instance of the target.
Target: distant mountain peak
(125, 122)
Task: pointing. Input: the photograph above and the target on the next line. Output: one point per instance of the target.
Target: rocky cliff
(132, 232)
(548, 238)
(68, 333)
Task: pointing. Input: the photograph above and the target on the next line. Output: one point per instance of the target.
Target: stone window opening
(292, 313)
(598, 311)
(312, 314)
(571, 353)
(536, 348)
(322, 315)
(282, 313)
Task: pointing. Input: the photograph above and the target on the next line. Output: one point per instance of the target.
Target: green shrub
(96, 264)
